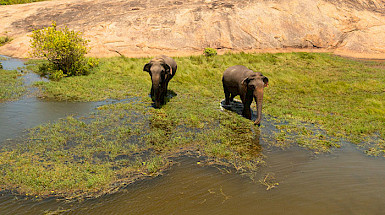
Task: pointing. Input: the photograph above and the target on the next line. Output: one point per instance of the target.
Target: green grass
(11, 86)
(4, 40)
(313, 100)
(345, 97)
(9, 2)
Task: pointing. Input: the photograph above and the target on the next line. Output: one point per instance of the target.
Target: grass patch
(314, 100)
(11, 86)
(344, 97)
(4, 40)
(9, 2)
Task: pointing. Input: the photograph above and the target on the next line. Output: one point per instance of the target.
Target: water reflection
(26, 113)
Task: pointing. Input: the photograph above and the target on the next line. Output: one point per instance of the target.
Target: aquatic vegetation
(11, 86)
(314, 101)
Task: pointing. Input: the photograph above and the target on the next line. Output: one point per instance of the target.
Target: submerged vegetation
(314, 100)
(11, 86)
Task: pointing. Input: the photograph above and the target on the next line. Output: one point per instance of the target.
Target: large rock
(184, 27)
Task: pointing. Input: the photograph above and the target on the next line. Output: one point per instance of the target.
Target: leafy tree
(65, 51)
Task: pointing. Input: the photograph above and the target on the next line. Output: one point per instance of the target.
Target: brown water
(342, 182)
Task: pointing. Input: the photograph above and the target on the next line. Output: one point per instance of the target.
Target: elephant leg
(227, 96)
(246, 106)
(246, 112)
(152, 94)
(163, 94)
(165, 90)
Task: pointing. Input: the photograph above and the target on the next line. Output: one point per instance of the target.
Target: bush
(4, 40)
(210, 52)
(65, 51)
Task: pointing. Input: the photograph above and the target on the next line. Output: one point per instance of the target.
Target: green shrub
(65, 51)
(4, 40)
(210, 52)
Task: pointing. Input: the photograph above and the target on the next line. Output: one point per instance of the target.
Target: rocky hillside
(134, 28)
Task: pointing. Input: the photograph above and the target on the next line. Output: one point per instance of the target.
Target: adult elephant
(239, 80)
(161, 70)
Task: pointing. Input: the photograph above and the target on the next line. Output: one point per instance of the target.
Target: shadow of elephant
(236, 106)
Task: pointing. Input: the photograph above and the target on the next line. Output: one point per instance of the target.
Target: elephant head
(159, 72)
(254, 85)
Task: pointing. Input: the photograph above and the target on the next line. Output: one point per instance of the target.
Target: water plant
(11, 86)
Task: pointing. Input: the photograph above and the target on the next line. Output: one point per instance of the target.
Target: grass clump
(4, 40)
(64, 50)
(11, 86)
(9, 2)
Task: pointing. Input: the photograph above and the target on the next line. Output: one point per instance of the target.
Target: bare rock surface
(138, 28)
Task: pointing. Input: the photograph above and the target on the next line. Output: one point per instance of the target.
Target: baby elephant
(239, 80)
(161, 70)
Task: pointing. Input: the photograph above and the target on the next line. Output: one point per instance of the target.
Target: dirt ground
(134, 28)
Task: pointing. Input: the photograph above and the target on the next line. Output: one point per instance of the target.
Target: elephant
(161, 70)
(239, 80)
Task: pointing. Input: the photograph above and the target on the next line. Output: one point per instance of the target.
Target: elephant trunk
(157, 92)
(258, 96)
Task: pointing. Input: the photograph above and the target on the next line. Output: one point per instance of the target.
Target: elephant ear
(147, 67)
(247, 80)
(265, 81)
(167, 68)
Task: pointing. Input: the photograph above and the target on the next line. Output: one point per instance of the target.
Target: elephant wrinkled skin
(239, 80)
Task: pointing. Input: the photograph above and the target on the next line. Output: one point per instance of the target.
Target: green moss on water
(11, 86)
(313, 100)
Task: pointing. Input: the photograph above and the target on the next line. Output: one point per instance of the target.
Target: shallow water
(342, 182)
(29, 111)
